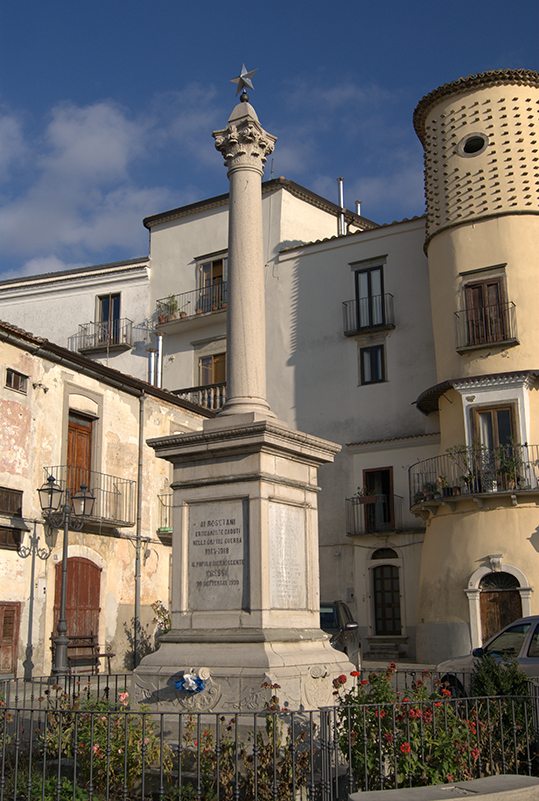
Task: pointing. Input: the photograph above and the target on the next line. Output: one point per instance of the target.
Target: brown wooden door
(499, 608)
(485, 310)
(10, 615)
(82, 597)
(79, 451)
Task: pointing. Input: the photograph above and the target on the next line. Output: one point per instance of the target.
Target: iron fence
(91, 745)
(104, 334)
(475, 470)
(364, 314)
(210, 298)
(373, 514)
(114, 496)
(486, 325)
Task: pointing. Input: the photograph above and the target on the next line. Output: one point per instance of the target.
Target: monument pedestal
(245, 579)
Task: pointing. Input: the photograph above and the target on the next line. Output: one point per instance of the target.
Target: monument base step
(237, 677)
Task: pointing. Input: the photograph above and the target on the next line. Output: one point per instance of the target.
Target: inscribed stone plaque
(218, 556)
(288, 571)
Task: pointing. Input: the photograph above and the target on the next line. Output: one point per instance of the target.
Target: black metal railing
(114, 496)
(373, 514)
(197, 301)
(475, 470)
(61, 746)
(364, 314)
(486, 325)
(104, 334)
(210, 396)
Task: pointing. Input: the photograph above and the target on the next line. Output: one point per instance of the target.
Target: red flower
(342, 678)
(406, 748)
(355, 673)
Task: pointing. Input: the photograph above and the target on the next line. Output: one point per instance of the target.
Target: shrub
(492, 677)
(394, 740)
(109, 745)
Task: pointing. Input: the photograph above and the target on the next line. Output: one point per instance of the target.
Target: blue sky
(107, 107)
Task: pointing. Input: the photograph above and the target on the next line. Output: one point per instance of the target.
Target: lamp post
(70, 514)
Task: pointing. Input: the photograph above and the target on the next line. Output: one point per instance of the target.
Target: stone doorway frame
(473, 592)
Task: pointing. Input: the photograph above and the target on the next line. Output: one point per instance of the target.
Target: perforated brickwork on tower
(481, 142)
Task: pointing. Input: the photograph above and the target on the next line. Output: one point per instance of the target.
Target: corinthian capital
(244, 142)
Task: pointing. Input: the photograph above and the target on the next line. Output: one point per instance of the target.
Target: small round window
(473, 144)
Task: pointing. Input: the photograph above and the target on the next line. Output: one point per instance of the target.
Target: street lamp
(70, 514)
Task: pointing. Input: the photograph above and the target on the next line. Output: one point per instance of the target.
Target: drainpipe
(341, 227)
(159, 377)
(151, 365)
(138, 533)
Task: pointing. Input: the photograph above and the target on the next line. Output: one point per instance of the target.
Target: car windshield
(328, 617)
(533, 650)
(509, 642)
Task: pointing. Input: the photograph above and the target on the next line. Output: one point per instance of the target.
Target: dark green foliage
(495, 677)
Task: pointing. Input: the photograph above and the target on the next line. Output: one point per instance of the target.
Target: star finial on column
(243, 80)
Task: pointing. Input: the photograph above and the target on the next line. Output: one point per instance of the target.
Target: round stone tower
(481, 140)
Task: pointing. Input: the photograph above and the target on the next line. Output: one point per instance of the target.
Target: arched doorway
(82, 597)
(500, 602)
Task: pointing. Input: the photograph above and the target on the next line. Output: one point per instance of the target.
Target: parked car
(519, 639)
(337, 621)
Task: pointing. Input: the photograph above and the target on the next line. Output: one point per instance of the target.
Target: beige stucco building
(397, 342)
(82, 422)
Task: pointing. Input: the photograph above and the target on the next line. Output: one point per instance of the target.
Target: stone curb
(491, 788)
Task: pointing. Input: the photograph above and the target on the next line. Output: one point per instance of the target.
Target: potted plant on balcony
(430, 488)
(222, 305)
(198, 310)
(172, 305)
(509, 462)
(446, 490)
(183, 314)
(467, 481)
(364, 495)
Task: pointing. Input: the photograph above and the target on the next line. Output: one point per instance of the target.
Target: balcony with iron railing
(209, 396)
(114, 496)
(165, 513)
(511, 470)
(486, 325)
(362, 315)
(373, 514)
(192, 304)
(107, 335)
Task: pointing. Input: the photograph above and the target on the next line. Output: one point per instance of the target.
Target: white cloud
(80, 192)
(40, 265)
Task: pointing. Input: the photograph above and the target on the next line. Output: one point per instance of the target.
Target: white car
(520, 640)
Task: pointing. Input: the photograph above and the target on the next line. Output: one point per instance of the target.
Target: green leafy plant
(110, 743)
(162, 616)
(397, 740)
(510, 715)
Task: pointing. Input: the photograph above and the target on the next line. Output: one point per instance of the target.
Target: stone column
(245, 146)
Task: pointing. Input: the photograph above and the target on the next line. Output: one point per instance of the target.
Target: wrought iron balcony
(362, 315)
(165, 513)
(114, 497)
(108, 335)
(373, 514)
(210, 396)
(486, 325)
(474, 471)
(206, 300)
